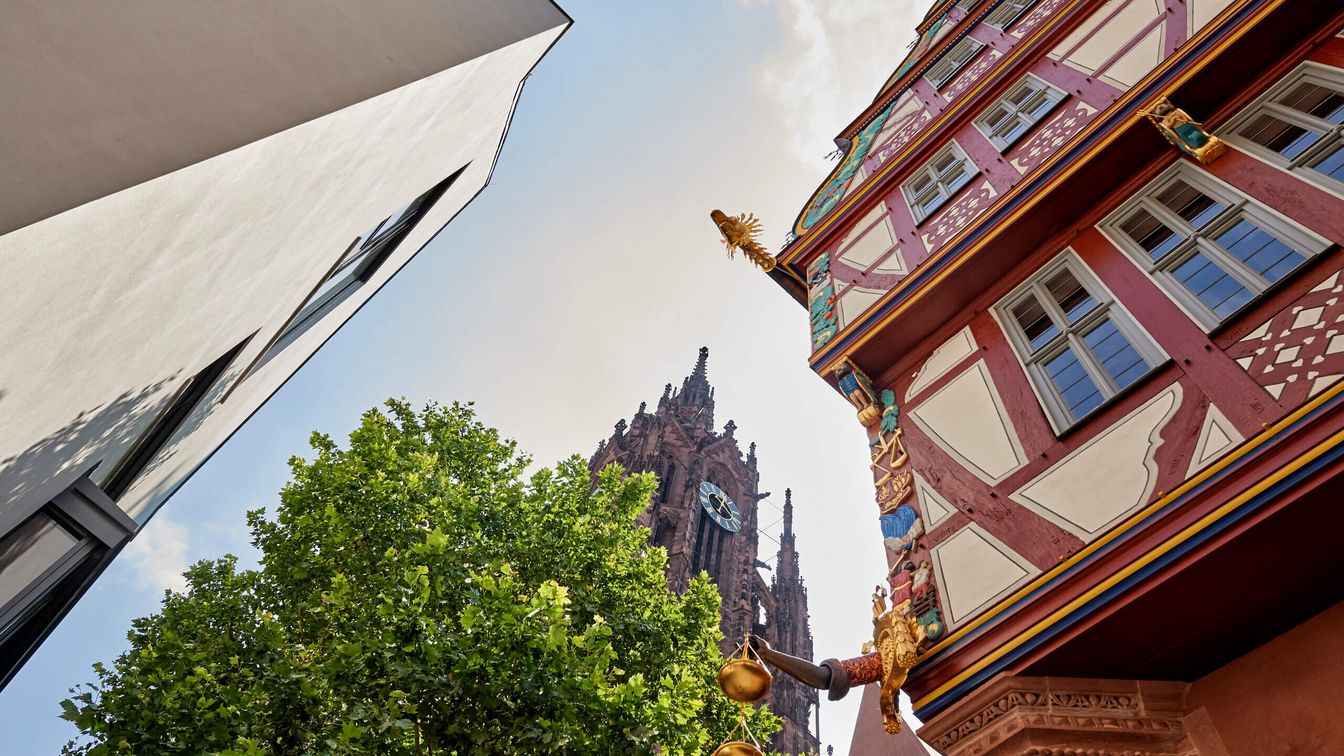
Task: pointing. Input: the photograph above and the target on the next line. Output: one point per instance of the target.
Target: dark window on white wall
(934, 183)
(166, 425)
(952, 61)
(1077, 345)
(355, 267)
(1207, 244)
(1299, 124)
(48, 554)
(1013, 115)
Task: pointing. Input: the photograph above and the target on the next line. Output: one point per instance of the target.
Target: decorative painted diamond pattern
(971, 75)
(1299, 352)
(1038, 15)
(952, 219)
(1068, 121)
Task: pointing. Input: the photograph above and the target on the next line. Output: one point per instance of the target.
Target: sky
(583, 279)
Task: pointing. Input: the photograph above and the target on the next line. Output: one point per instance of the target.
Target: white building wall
(109, 307)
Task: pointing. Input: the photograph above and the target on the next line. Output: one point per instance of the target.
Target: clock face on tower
(720, 508)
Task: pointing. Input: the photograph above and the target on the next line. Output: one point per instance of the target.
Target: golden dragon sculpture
(741, 232)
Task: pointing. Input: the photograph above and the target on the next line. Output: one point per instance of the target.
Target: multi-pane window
(1078, 346)
(1006, 13)
(942, 72)
(937, 180)
(1299, 124)
(1207, 244)
(1013, 115)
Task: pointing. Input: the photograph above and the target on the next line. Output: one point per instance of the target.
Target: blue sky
(582, 280)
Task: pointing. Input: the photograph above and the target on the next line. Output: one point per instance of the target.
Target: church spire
(788, 513)
(696, 398)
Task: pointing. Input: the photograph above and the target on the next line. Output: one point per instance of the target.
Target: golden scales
(745, 680)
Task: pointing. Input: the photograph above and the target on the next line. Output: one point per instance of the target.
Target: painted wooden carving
(821, 300)
(1187, 135)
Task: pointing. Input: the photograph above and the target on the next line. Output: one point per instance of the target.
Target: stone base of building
(1281, 699)
(1044, 716)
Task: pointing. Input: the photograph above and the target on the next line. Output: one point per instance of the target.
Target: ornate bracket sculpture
(887, 658)
(740, 232)
(858, 389)
(1188, 136)
(896, 637)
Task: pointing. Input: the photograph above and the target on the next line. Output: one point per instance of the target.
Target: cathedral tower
(705, 514)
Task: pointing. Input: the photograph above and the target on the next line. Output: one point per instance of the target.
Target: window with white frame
(1006, 13)
(934, 183)
(1077, 345)
(1299, 124)
(1210, 246)
(1013, 115)
(942, 72)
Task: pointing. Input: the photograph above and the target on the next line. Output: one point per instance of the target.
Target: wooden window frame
(1071, 335)
(947, 67)
(1199, 240)
(1053, 94)
(1331, 135)
(1007, 12)
(927, 171)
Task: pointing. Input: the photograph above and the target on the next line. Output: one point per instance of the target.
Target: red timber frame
(1163, 594)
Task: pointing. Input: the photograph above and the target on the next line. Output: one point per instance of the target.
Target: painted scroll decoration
(821, 301)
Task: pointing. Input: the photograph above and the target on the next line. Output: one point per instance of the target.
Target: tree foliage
(417, 594)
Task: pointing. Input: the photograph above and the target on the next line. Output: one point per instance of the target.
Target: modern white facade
(193, 198)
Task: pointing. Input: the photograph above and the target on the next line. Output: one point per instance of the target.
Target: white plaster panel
(855, 301)
(1200, 12)
(1216, 436)
(968, 420)
(933, 508)
(863, 250)
(1107, 478)
(1106, 33)
(1135, 64)
(973, 569)
(943, 359)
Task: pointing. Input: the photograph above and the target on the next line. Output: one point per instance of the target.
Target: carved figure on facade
(1186, 134)
(858, 389)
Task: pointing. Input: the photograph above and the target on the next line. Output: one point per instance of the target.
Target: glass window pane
(1330, 163)
(1073, 299)
(956, 180)
(1284, 138)
(1316, 100)
(1075, 386)
(1190, 203)
(1011, 131)
(1116, 355)
(1260, 251)
(29, 550)
(1022, 94)
(1034, 322)
(1219, 291)
(1151, 234)
(1039, 107)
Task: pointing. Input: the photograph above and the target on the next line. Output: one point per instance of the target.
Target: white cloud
(159, 555)
(835, 58)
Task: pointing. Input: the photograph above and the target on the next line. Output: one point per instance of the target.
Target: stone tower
(705, 514)
(791, 632)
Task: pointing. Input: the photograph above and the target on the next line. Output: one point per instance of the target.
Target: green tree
(418, 595)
